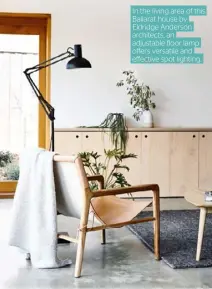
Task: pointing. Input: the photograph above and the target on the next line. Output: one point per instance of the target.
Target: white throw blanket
(34, 220)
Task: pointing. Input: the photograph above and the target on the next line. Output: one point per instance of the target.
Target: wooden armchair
(75, 199)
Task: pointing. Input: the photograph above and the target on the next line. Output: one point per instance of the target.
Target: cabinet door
(155, 161)
(133, 177)
(95, 142)
(183, 163)
(134, 147)
(205, 161)
(68, 143)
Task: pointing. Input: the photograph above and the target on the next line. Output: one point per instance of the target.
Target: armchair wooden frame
(89, 196)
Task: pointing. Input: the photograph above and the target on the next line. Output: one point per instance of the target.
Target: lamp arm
(48, 108)
(50, 61)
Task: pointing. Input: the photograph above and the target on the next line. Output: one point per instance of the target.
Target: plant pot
(147, 118)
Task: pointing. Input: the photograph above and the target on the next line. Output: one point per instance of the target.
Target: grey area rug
(178, 233)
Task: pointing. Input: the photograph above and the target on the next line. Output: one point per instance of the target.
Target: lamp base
(62, 241)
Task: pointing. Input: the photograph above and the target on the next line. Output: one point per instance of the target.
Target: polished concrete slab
(123, 262)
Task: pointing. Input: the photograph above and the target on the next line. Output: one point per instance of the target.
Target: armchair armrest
(126, 190)
(98, 178)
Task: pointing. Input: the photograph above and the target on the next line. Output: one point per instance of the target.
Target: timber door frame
(31, 24)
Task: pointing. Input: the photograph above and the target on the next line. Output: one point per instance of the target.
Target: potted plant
(116, 122)
(140, 98)
(111, 167)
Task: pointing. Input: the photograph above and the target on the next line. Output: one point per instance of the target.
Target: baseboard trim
(7, 195)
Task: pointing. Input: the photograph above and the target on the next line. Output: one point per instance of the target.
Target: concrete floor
(123, 262)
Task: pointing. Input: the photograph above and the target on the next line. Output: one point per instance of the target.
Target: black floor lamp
(77, 61)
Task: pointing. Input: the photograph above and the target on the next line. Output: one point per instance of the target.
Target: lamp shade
(78, 61)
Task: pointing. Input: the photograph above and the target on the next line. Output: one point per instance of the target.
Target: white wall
(85, 97)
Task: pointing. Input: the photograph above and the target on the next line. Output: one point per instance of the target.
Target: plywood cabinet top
(139, 129)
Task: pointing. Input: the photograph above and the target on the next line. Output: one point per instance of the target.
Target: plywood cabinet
(183, 162)
(176, 160)
(76, 142)
(134, 146)
(97, 142)
(205, 161)
(68, 143)
(93, 141)
(155, 160)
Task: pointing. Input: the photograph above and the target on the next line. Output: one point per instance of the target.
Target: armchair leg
(80, 253)
(103, 232)
(82, 238)
(156, 224)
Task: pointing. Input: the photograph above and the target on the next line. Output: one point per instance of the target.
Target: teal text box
(161, 27)
(184, 59)
(152, 52)
(179, 42)
(160, 19)
(152, 35)
(151, 23)
(191, 10)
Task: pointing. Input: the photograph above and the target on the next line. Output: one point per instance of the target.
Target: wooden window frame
(31, 24)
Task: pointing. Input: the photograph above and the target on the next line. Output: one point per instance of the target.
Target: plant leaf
(122, 167)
